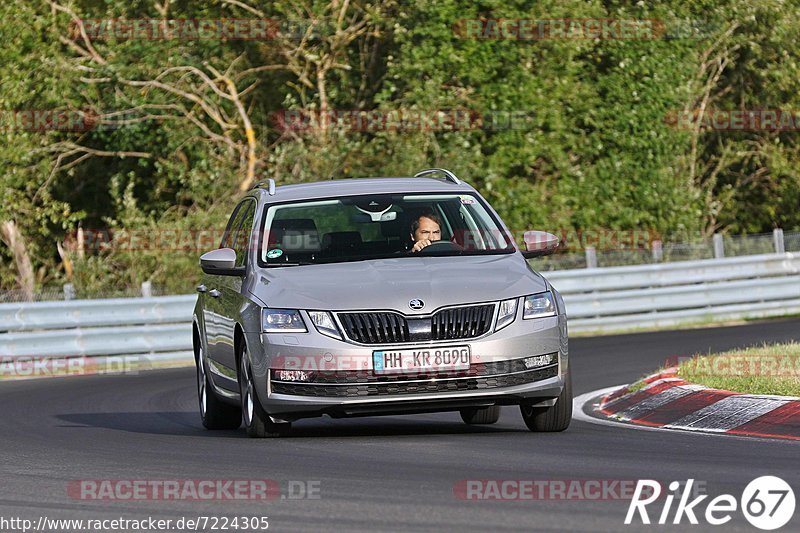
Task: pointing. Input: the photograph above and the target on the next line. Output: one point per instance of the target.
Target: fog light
(540, 360)
(291, 375)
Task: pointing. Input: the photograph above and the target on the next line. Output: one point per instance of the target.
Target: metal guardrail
(599, 299)
(678, 273)
(670, 294)
(156, 328)
(91, 313)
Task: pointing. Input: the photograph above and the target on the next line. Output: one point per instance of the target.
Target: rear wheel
(215, 413)
(482, 415)
(256, 421)
(554, 418)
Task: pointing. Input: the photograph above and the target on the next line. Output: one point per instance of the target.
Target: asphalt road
(391, 473)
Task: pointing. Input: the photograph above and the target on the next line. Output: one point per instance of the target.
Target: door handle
(214, 293)
(201, 288)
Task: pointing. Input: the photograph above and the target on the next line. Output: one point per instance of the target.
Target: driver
(425, 229)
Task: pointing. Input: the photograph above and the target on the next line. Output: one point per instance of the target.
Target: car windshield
(376, 227)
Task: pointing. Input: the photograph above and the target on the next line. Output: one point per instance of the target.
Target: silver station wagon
(364, 297)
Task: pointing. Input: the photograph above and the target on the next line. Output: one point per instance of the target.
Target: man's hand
(419, 245)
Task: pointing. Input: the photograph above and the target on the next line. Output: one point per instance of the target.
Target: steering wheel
(440, 246)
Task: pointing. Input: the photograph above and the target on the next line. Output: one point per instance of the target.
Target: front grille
(387, 327)
(357, 390)
(461, 322)
(375, 328)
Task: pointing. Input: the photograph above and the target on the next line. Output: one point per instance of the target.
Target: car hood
(392, 283)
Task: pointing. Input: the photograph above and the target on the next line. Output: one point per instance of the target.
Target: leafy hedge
(176, 128)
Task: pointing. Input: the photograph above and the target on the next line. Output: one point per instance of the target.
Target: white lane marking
(727, 413)
(579, 402)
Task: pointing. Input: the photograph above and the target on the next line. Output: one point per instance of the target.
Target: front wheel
(215, 413)
(554, 418)
(256, 421)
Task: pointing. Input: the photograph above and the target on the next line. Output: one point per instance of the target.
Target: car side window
(245, 226)
(233, 224)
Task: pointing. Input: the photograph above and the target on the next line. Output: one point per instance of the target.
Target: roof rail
(448, 175)
(270, 184)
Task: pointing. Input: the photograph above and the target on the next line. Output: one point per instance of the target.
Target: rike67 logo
(767, 503)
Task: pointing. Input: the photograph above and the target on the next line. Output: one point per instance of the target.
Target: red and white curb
(670, 402)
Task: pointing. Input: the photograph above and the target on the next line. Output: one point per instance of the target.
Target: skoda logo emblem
(416, 305)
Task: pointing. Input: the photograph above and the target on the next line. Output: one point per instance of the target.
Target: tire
(553, 418)
(482, 415)
(256, 421)
(215, 413)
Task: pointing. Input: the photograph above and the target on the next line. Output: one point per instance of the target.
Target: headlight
(507, 313)
(282, 321)
(539, 305)
(324, 323)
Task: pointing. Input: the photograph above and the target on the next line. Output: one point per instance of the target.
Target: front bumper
(345, 384)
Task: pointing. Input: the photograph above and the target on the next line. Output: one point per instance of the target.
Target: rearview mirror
(366, 218)
(539, 243)
(221, 262)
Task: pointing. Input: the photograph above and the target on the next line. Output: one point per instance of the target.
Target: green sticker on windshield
(272, 254)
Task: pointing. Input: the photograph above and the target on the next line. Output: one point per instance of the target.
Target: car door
(231, 301)
(213, 302)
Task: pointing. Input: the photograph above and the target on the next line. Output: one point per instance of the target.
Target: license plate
(439, 359)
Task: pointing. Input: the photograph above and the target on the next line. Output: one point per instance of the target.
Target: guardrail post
(591, 257)
(719, 246)
(658, 251)
(777, 239)
(69, 291)
(147, 289)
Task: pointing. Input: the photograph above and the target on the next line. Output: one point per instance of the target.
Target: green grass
(636, 387)
(766, 369)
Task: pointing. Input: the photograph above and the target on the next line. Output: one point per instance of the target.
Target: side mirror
(539, 243)
(221, 262)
